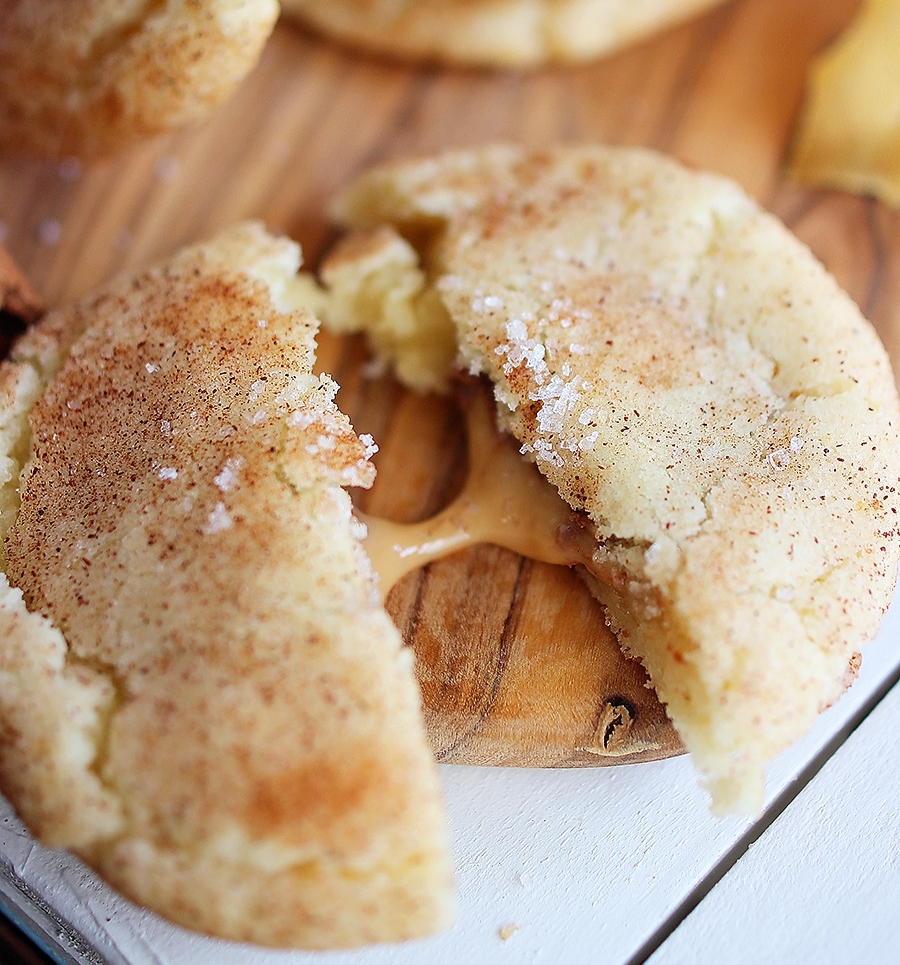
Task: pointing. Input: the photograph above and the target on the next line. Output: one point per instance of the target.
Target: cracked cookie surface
(202, 694)
(694, 383)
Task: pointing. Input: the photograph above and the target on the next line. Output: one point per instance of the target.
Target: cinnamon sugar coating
(697, 385)
(202, 693)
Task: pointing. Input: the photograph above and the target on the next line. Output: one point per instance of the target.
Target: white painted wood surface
(822, 884)
(587, 864)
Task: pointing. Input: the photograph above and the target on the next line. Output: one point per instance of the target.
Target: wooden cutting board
(515, 662)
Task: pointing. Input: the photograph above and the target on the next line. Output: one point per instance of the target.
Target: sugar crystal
(218, 519)
(369, 443)
(228, 475)
(779, 460)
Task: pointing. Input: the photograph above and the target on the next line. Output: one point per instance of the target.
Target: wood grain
(515, 662)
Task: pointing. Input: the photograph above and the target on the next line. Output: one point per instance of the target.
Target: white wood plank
(588, 864)
(822, 884)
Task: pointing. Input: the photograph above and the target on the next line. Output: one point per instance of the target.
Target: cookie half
(202, 694)
(716, 411)
(85, 77)
(508, 33)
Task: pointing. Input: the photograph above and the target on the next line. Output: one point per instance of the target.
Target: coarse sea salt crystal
(218, 520)
(534, 356)
(369, 443)
(796, 444)
(168, 472)
(516, 330)
(779, 460)
(291, 395)
(546, 453)
(151, 368)
(228, 475)
(302, 418)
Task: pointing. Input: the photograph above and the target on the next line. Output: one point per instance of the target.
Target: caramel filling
(505, 501)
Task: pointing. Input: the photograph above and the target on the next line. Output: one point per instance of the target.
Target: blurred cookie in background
(85, 77)
(503, 33)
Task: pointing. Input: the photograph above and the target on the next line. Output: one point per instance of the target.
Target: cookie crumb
(507, 932)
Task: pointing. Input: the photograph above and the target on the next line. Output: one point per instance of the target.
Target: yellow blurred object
(849, 134)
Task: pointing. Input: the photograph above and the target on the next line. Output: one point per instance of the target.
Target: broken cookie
(202, 695)
(716, 412)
